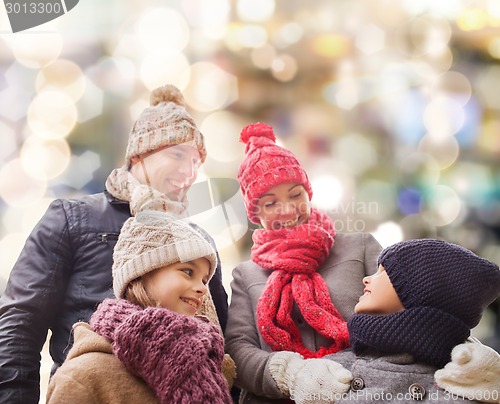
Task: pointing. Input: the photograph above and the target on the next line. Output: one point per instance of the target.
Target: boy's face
(379, 296)
(180, 286)
(285, 205)
(171, 170)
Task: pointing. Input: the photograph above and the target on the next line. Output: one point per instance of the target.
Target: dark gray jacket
(392, 378)
(62, 274)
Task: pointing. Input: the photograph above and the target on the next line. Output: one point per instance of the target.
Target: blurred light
(328, 192)
(9, 144)
(379, 197)
(488, 141)
(407, 122)
(443, 116)
(331, 45)
(357, 152)
(263, 57)
(284, 67)
(33, 214)
(115, 75)
(81, 170)
(10, 248)
(219, 128)
(211, 16)
(429, 35)
(494, 47)
(255, 10)
(443, 205)
(487, 87)
(409, 201)
(418, 168)
(445, 150)
(288, 34)
(45, 159)
(388, 233)
(417, 226)
(162, 27)
(473, 182)
(472, 19)
(163, 66)
(17, 187)
(64, 76)
(22, 94)
(210, 87)
(35, 50)
(137, 107)
(454, 85)
(92, 102)
(248, 36)
(370, 39)
(52, 112)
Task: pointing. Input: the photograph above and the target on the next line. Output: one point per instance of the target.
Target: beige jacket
(92, 374)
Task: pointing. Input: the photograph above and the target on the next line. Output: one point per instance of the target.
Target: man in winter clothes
(64, 270)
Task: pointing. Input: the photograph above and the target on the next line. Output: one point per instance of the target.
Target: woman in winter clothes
(150, 344)
(303, 280)
(292, 300)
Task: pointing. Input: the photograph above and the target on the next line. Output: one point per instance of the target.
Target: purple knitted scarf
(178, 356)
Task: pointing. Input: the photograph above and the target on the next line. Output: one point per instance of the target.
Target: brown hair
(136, 293)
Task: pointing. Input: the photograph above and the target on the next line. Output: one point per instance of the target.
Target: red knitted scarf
(294, 255)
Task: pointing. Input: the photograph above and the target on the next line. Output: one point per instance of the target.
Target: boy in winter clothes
(422, 302)
(150, 345)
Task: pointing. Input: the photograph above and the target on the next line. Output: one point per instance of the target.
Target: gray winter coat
(353, 256)
(396, 378)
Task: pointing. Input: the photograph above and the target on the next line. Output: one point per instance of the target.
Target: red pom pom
(257, 130)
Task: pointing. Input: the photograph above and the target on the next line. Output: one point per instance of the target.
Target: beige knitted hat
(151, 240)
(165, 123)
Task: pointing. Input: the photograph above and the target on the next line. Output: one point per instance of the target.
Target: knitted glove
(229, 369)
(110, 314)
(179, 357)
(309, 380)
(473, 373)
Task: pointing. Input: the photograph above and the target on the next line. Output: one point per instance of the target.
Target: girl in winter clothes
(149, 345)
(302, 283)
(421, 303)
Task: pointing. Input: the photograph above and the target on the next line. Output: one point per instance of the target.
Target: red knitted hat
(265, 166)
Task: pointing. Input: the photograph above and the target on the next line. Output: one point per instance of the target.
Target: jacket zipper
(105, 237)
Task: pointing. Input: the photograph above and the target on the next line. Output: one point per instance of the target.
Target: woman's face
(284, 206)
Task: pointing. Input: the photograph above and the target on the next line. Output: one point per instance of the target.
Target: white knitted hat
(151, 240)
(165, 123)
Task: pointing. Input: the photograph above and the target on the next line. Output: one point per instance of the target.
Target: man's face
(171, 170)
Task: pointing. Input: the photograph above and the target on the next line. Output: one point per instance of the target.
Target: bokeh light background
(392, 106)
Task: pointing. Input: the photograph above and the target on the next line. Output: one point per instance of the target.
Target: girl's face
(285, 205)
(379, 295)
(171, 170)
(180, 286)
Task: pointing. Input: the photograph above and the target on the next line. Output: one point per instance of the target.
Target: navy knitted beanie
(444, 289)
(446, 276)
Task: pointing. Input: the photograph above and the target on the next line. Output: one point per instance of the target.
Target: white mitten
(473, 373)
(309, 380)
